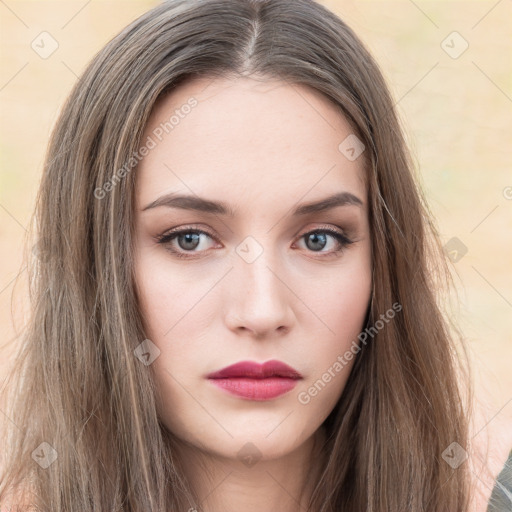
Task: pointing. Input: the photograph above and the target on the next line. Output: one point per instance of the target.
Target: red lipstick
(255, 381)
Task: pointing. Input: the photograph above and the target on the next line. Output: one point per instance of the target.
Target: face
(251, 245)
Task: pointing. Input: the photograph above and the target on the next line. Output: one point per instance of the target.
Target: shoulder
(501, 497)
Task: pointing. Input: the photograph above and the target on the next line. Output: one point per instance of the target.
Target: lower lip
(256, 389)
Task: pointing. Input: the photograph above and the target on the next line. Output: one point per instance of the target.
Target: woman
(189, 349)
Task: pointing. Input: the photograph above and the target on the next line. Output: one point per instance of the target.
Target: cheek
(349, 305)
(175, 320)
(340, 299)
(343, 305)
(168, 297)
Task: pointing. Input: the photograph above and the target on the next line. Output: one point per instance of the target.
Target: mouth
(254, 381)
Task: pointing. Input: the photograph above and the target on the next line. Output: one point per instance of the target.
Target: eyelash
(168, 237)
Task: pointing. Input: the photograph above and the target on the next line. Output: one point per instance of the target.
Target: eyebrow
(188, 202)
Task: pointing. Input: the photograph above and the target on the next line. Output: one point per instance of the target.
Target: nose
(258, 300)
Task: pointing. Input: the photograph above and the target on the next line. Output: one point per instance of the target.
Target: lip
(255, 381)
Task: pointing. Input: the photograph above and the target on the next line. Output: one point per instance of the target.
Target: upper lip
(255, 370)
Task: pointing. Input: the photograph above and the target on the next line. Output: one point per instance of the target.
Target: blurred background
(448, 64)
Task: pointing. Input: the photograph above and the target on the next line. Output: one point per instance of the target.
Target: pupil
(315, 238)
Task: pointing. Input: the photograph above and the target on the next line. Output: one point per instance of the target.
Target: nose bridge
(260, 301)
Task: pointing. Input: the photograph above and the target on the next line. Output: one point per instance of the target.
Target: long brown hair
(80, 390)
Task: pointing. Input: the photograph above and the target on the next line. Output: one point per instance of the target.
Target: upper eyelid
(193, 228)
(187, 229)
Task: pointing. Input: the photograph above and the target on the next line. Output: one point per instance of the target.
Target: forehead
(247, 138)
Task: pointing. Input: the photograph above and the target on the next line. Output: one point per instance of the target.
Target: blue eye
(183, 243)
(317, 240)
(187, 239)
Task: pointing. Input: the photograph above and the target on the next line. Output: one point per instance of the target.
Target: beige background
(457, 113)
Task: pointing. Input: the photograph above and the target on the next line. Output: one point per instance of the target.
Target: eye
(318, 240)
(188, 240)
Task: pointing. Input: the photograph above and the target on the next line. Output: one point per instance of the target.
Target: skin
(262, 147)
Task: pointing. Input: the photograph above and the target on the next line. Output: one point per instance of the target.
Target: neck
(285, 483)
